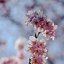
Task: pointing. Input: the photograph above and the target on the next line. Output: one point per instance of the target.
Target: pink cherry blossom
(42, 23)
(37, 47)
(37, 59)
(9, 60)
(20, 55)
(19, 44)
(38, 51)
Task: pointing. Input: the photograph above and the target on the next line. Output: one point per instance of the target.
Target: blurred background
(12, 26)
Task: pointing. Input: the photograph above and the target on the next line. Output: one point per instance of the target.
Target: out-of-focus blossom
(11, 60)
(20, 55)
(19, 45)
(42, 24)
(2, 44)
(8, 60)
(2, 1)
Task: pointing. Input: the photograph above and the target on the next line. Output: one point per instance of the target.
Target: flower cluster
(9, 60)
(47, 28)
(19, 45)
(43, 24)
(38, 50)
(19, 57)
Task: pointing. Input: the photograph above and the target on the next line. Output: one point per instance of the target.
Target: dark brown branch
(29, 61)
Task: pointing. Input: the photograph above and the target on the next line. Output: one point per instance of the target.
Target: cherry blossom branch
(47, 28)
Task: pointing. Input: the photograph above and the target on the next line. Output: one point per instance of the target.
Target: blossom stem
(36, 35)
(29, 61)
